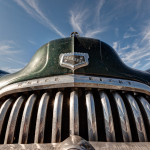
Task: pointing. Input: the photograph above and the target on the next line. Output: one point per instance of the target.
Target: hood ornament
(74, 60)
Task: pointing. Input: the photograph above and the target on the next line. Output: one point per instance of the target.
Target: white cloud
(9, 56)
(16, 61)
(92, 33)
(136, 64)
(7, 48)
(32, 42)
(32, 8)
(128, 35)
(115, 45)
(77, 19)
(125, 48)
(99, 7)
(132, 29)
(137, 54)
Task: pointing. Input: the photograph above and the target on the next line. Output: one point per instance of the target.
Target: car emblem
(74, 60)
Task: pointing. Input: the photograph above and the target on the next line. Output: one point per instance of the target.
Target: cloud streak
(137, 54)
(79, 20)
(9, 57)
(7, 48)
(32, 8)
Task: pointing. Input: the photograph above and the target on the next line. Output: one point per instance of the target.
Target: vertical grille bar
(26, 119)
(3, 111)
(124, 121)
(57, 117)
(108, 119)
(41, 117)
(9, 136)
(74, 114)
(146, 106)
(91, 117)
(138, 118)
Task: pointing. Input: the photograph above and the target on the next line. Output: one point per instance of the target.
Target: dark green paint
(103, 61)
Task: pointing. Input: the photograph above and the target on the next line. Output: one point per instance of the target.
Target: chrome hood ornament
(74, 60)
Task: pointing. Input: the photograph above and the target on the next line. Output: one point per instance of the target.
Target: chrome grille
(48, 116)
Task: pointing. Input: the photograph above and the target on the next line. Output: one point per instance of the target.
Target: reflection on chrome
(91, 117)
(57, 117)
(9, 137)
(41, 117)
(74, 114)
(3, 111)
(108, 119)
(146, 107)
(124, 121)
(26, 119)
(138, 118)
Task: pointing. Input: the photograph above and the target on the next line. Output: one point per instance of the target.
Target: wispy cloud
(9, 56)
(33, 9)
(79, 19)
(98, 8)
(16, 61)
(32, 42)
(10, 70)
(115, 45)
(136, 54)
(7, 48)
(138, 63)
(127, 35)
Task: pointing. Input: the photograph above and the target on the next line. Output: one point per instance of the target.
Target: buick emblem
(74, 60)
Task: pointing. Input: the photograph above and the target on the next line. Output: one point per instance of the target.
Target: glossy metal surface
(124, 121)
(57, 117)
(3, 110)
(74, 114)
(138, 118)
(9, 136)
(146, 107)
(72, 80)
(108, 119)
(91, 117)
(74, 60)
(26, 120)
(74, 143)
(41, 118)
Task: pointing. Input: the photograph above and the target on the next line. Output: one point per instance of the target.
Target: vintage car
(75, 93)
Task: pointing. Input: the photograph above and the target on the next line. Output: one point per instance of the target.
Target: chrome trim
(138, 118)
(26, 119)
(73, 80)
(41, 117)
(146, 107)
(74, 114)
(57, 117)
(108, 119)
(91, 117)
(3, 110)
(75, 142)
(9, 136)
(124, 121)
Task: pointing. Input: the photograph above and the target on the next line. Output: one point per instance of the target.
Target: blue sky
(26, 25)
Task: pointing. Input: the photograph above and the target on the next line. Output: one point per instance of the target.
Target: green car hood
(103, 61)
